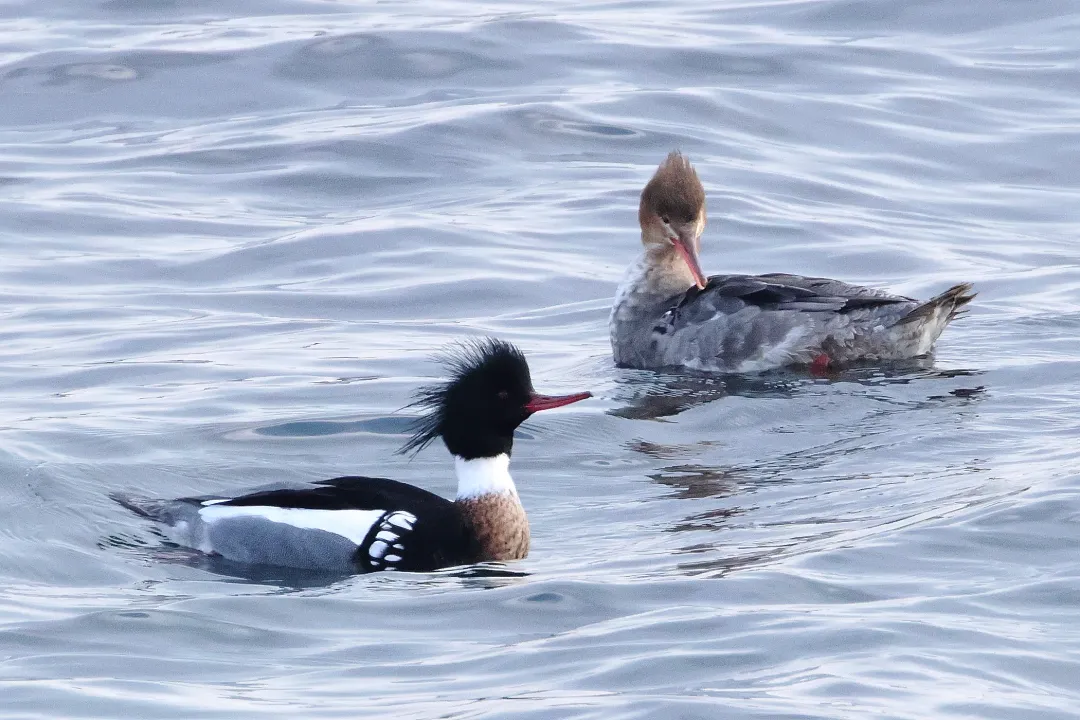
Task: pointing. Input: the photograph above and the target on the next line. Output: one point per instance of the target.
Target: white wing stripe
(353, 525)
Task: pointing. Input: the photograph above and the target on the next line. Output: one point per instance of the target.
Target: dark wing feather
(779, 291)
(347, 493)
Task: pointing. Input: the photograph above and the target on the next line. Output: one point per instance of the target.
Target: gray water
(233, 233)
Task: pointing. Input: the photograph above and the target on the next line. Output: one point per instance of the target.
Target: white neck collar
(484, 476)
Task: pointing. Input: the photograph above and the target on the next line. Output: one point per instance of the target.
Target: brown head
(672, 212)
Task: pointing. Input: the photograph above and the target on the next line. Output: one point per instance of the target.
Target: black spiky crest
(476, 410)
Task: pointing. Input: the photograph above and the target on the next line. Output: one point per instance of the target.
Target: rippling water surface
(232, 234)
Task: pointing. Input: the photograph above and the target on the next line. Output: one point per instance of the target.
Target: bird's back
(748, 323)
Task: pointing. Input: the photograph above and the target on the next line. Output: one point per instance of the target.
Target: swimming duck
(365, 524)
(668, 314)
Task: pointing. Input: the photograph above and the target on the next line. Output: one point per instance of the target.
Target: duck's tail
(927, 321)
(942, 309)
(169, 512)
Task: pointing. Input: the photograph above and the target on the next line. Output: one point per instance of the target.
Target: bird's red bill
(547, 402)
(690, 257)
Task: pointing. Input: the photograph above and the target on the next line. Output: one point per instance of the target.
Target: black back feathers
(478, 408)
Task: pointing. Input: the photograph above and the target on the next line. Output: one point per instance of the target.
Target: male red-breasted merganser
(364, 524)
(667, 313)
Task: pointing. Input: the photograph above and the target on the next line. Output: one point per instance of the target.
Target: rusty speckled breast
(500, 524)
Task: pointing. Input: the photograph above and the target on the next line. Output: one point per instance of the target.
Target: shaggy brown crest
(674, 192)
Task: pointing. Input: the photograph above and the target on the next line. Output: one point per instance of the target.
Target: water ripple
(232, 236)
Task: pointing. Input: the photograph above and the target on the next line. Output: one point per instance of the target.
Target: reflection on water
(232, 234)
(721, 496)
(653, 395)
(396, 425)
(161, 550)
(697, 481)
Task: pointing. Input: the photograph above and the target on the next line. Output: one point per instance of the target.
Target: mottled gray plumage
(258, 541)
(748, 323)
(251, 539)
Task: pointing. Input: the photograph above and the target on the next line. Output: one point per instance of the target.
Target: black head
(488, 395)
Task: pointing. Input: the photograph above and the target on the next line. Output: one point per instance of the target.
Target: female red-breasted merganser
(668, 314)
(366, 524)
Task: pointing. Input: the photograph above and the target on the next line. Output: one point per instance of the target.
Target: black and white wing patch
(384, 546)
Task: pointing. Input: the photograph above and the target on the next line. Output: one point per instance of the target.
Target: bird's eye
(665, 219)
(503, 394)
